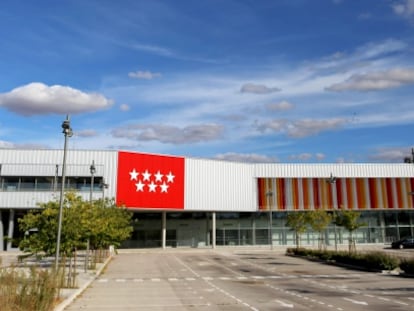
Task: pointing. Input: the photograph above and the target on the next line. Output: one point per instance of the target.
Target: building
(192, 202)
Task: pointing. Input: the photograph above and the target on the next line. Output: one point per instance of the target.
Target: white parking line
(284, 304)
(358, 302)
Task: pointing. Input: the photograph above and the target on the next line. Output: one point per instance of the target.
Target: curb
(61, 306)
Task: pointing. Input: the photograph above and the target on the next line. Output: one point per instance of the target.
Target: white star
(140, 186)
(158, 176)
(134, 174)
(152, 187)
(170, 177)
(164, 187)
(146, 175)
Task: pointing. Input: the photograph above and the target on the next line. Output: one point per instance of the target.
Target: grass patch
(28, 289)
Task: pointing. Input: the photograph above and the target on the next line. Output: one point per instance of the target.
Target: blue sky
(246, 80)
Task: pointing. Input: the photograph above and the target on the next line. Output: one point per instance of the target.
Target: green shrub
(407, 265)
(372, 260)
(381, 261)
(300, 251)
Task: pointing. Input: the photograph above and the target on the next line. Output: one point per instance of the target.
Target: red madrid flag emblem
(150, 181)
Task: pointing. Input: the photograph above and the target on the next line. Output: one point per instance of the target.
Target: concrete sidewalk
(83, 280)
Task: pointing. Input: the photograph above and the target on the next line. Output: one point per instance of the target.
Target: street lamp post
(104, 186)
(269, 195)
(67, 132)
(92, 169)
(332, 181)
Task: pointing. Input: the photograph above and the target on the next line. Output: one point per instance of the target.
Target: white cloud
(375, 80)
(242, 157)
(146, 75)
(258, 89)
(319, 156)
(404, 8)
(308, 127)
(170, 134)
(38, 98)
(396, 154)
(124, 107)
(6, 144)
(10, 145)
(275, 125)
(301, 157)
(301, 128)
(153, 49)
(86, 133)
(280, 106)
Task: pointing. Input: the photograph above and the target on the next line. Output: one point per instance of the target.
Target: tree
(100, 221)
(298, 222)
(349, 220)
(319, 220)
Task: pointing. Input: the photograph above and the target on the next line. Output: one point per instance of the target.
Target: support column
(382, 227)
(253, 229)
(164, 230)
(213, 229)
(207, 230)
(1, 233)
(11, 229)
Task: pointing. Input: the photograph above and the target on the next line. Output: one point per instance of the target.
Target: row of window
(47, 183)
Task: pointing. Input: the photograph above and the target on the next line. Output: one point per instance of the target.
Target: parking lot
(193, 279)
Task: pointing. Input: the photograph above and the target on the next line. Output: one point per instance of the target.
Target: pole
(92, 169)
(67, 131)
(332, 181)
(269, 195)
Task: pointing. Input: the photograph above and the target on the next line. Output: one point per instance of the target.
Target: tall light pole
(92, 169)
(332, 180)
(67, 132)
(269, 196)
(104, 186)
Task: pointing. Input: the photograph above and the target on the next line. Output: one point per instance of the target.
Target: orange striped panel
(295, 193)
(305, 193)
(361, 191)
(409, 189)
(373, 193)
(349, 193)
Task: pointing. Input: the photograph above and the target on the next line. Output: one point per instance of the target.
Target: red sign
(150, 181)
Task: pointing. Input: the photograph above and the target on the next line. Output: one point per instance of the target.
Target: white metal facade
(18, 162)
(210, 185)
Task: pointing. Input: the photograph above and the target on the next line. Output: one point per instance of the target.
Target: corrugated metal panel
(22, 169)
(29, 200)
(219, 186)
(336, 169)
(39, 162)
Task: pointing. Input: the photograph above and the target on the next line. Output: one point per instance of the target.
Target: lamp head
(67, 130)
(92, 168)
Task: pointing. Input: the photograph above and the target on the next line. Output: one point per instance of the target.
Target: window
(49, 183)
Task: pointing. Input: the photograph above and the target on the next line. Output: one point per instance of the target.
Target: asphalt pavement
(237, 279)
(231, 279)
